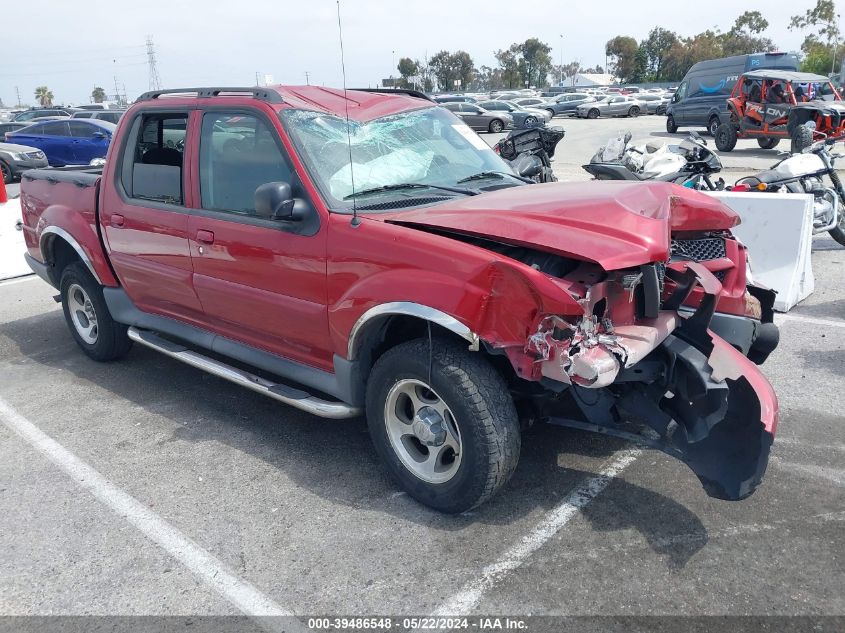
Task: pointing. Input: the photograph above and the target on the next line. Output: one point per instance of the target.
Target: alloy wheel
(82, 314)
(422, 431)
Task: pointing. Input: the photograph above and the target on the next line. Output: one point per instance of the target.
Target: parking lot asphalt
(296, 515)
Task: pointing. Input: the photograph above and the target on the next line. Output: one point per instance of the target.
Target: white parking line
(781, 318)
(471, 593)
(17, 280)
(210, 569)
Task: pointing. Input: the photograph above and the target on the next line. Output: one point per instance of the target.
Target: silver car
(655, 103)
(613, 105)
(533, 115)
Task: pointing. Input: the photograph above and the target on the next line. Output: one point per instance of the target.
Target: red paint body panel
(266, 287)
(71, 208)
(615, 224)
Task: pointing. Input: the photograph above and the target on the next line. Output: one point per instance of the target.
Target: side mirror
(675, 98)
(99, 135)
(274, 201)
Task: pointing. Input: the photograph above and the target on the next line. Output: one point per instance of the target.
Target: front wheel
(531, 120)
(725, 137)
(593, 114)
(496, 126)
(671, 126)
(444, 423)
(712, 126)
(551, 114)
(88, 317)
(768, 143)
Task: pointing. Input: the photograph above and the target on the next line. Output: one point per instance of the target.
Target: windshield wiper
(493, 174)
(411, 185)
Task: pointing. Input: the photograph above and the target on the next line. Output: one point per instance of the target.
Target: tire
(670, 124)
(713, 125)
(768, 143)
(725, 137)
(496, 126)
(479, 418)
(530, 120)
(88, 317)
(801, 138)
(593, 114)
(634, 111)
(6, 172)
(838, 233)
(551, 113)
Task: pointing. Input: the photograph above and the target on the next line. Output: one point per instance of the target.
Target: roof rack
(401, 91)
(263, 94)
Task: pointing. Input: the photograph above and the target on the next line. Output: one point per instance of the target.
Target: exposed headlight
(16, 156)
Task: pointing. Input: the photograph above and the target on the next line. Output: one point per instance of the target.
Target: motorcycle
(689, 163)
(530, 151)
(804, 173)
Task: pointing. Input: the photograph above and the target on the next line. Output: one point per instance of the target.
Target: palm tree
(98, 95)
(44, 96)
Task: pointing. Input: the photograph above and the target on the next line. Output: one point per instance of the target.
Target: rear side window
(238, 154)
(83, 115)
(111, 117)
(153, 158)
(56, 128)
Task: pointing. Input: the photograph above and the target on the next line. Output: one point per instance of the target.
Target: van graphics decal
(713, 89)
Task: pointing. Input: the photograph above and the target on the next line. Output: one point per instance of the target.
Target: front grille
(35, 155)
(699, 250)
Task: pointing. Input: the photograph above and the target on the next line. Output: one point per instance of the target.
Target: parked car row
(608, 102)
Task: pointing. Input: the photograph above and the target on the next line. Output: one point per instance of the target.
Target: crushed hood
(615, 224)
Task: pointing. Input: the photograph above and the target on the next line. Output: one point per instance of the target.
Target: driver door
(260, 281)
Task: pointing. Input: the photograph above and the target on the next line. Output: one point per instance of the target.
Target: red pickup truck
(363, 251)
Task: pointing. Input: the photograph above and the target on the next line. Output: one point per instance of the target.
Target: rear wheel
(801, 138)
(444, 423)
(725, 137)
(6, 172)
(593, 114)
(713, 125)
(551, 113)
(530, 120)
(496, 126)
(87, 315)
(768, 143)
(671, 126)
(634, 111)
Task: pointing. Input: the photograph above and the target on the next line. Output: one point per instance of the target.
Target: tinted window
(83, 115)
(152, 160)
(82, 129)
(452, 107)
(238, 154)
(55, 128)
(111, 117)
(468, 107)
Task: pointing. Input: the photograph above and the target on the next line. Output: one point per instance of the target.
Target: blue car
(67, 142)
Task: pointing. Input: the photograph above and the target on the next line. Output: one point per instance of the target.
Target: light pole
(561, 61)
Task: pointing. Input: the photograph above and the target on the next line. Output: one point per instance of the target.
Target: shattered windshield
(429, 146)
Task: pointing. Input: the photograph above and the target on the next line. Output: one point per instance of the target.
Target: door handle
(117, 220)
(206, 237)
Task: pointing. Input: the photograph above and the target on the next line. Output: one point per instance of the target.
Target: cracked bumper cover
(709, 405)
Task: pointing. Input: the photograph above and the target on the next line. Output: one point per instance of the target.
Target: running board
(283, 393)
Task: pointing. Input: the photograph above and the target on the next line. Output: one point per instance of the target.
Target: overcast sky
(71, 46)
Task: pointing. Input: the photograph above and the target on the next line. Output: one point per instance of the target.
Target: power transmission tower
(155, 80)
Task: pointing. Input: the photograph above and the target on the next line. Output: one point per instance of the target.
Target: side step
(283, 393)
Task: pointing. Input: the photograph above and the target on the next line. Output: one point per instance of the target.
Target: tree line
(662, 56)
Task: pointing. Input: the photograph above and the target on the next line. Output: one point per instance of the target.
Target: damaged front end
(702, 400)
